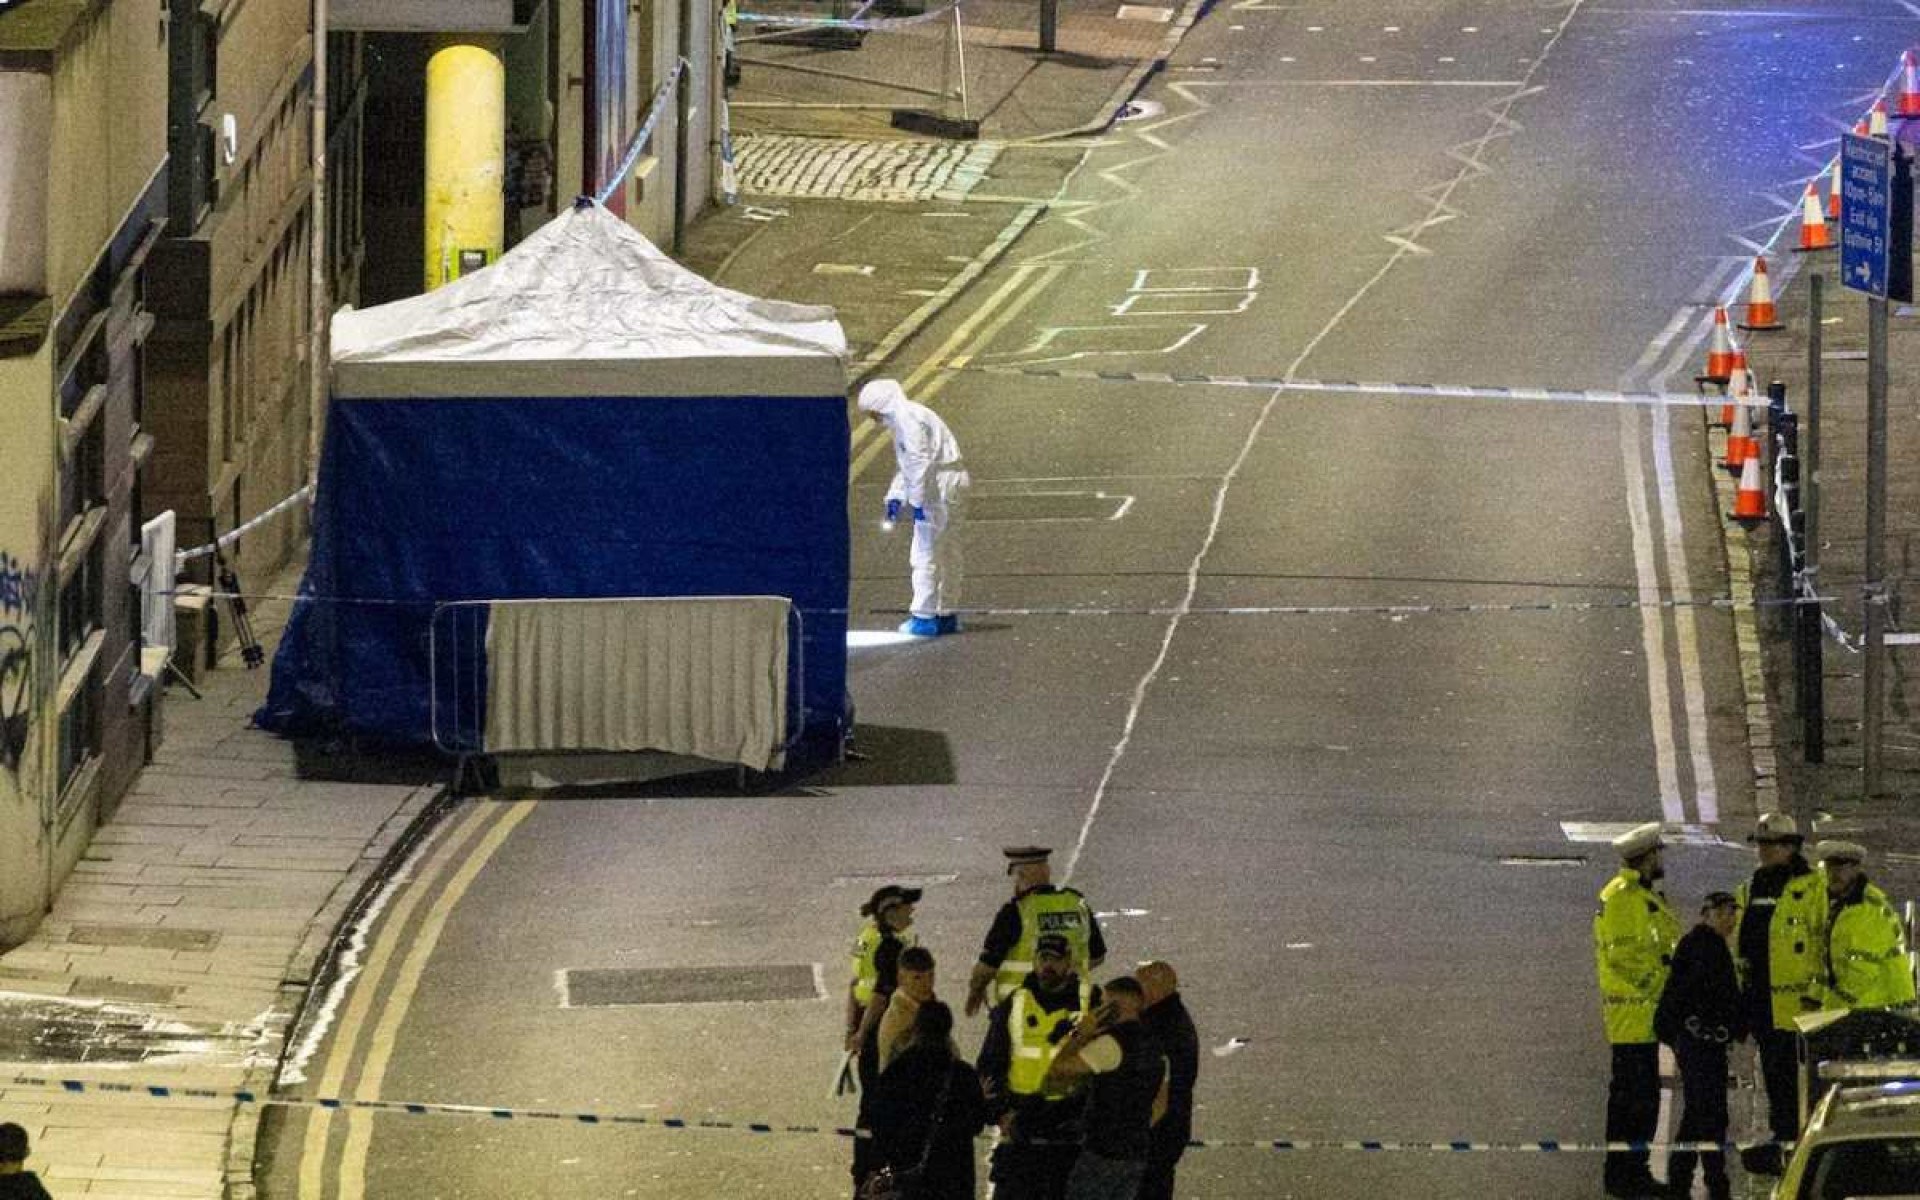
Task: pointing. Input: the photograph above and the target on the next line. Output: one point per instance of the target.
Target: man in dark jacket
(1782, 952)
(16, 1182)
(1112, 1057)
(1699, 1015)
(1167, 1019)
(926, 1109)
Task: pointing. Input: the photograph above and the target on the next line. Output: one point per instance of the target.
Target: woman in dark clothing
(925, 1110)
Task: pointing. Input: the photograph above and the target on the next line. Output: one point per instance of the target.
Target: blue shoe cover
(921, 627)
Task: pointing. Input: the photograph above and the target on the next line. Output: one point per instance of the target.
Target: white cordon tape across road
(1444, 391)
(1238, 610)
(503, 1113)
(1429, 390)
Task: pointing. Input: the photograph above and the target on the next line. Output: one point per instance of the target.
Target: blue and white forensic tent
(584, 419)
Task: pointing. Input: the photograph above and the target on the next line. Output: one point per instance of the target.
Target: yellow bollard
(466, 156)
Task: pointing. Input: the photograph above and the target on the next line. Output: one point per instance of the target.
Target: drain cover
(612, 987)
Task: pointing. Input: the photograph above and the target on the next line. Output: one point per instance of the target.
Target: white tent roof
(587, 306)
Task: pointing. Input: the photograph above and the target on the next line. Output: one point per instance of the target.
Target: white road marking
(1652, 623)
(1685, 627)
(1361, 83)
(1673, 834)
(1138, 699)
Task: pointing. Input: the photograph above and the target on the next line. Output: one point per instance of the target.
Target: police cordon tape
(229, 538)
(1238, 610)
(1803, 579)
(787, 21)
(1351, 387)
(421, 1108)
(645, 134)
(1448, 391)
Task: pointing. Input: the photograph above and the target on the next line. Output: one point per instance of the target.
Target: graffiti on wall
(19, 592)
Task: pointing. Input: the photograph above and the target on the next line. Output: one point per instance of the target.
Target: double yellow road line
(447, 871)
(969, 338)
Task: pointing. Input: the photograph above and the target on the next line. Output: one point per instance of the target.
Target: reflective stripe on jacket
(1867, 964)
(1060, 910)
(1634, 934)
(1034, 1036)
(1796, 947)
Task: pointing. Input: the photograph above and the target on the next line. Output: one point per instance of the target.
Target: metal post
(1811, 642)
(1049, 23)
(960, 55)
(1786, 457)
(1873, 586)
(1810, 435)
(318, 303)
(683, 129)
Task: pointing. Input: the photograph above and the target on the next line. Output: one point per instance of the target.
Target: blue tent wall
(429, 500)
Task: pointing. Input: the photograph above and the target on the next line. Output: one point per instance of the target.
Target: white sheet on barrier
(701, 676)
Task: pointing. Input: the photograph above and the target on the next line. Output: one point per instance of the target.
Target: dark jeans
(1098, 1178)
(1023, 1171)
(1780, 1070)
(1633, 1109)
(1703, 1116)
(1168, 1145)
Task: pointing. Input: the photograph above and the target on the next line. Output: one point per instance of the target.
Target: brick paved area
(854, 169)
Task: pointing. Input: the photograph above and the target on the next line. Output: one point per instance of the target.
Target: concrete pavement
(178, 954)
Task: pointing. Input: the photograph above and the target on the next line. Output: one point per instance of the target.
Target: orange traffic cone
(1833, 193)
(1906, 101)
(1739, 387)
(1750, 499)
(1761, 314)
(1814, 232)
(1741, 448)
(1877, 119)
(1719, 351)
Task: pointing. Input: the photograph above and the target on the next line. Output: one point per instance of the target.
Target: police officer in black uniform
(1037, 908)
(1700, 1015)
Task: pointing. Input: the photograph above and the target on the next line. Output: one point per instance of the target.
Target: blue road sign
(1866, 212)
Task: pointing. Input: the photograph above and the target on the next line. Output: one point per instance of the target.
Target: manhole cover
(610, 987)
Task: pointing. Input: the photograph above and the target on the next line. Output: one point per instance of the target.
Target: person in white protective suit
(932, 483)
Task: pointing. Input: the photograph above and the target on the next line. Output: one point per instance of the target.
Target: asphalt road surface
(1347, 829)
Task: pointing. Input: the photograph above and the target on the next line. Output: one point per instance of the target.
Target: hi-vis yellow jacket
(1634, 934)
(1867, 964)
(1796, 947)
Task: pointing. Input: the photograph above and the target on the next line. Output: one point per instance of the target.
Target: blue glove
(893, 510)
(919, 514)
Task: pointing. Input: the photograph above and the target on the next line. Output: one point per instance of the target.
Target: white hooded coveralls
(932, 478)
